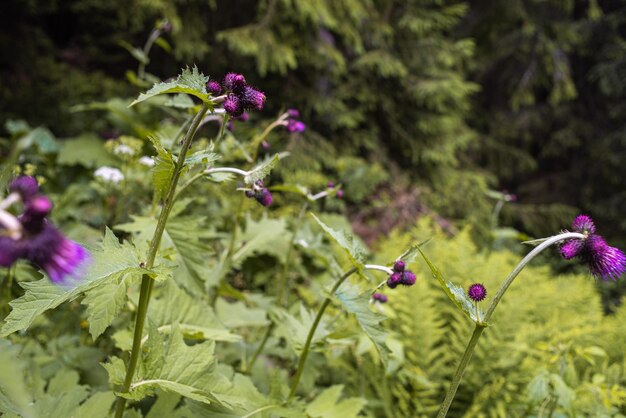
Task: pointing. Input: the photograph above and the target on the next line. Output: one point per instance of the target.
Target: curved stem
(146, 282)
(469, 350)
(309, 338)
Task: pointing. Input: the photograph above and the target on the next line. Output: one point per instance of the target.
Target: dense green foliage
(415, 108)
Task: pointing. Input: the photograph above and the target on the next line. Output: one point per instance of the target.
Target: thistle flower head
(232, 105)
(394, 280)
(399, 265)
(234, 82)
(584, 224)
(213, 87)
(295, 126)
(477, 292)
(293, 113)
(339, 193)
(252, 98)
(408, 278)
(604, 262)
(380, 297)
(264, 197)
(25, 186)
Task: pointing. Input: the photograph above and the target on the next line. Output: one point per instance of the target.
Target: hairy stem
(478, 330)
(309, 338)
(147, 283)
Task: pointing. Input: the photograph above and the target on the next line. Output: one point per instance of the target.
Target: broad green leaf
(190, 371)
(194, 316)
(111, 262)
(42, 138)
(105, 302)
(14, 394)
(180, 101)
(454, 292)
(63, 404)
(97, 406)
(237, 314)
(87, 151)
(291, 188)
(163, 169)
(326, 405)
(191, 82)
(357, 303)
(352, 246)
(295, 330)
(262, 170)
(267, 236)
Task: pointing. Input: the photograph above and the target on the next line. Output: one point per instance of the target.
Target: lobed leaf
(191, 82)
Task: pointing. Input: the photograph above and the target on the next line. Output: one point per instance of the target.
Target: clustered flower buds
(213, 87)
(379, 297)
(331, 185)
(604, 262)
(477, 292)
(240, 96)
(39, 241)
(400, 276)
(293, 124)
(260, 193)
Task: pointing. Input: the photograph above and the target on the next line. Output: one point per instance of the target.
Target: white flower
(109, 174)
(123, 149)
(147, 161)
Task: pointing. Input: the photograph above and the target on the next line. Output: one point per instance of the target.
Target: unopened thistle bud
(477, 292)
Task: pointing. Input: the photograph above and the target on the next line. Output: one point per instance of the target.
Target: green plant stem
(141, 69)
(309, 338)
(147, 282)
(478, 330)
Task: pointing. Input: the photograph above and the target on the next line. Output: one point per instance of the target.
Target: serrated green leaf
(262, 170)
(191, 82)
(455, 293)
(358, 304)
(295, 330)
(112, 261)
(326, 405)
(352, 246)
(202, 157)
(194, 316)
(173, 366)
(105, 302)
(180, 101)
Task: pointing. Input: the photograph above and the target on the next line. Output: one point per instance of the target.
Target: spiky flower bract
(477, 292)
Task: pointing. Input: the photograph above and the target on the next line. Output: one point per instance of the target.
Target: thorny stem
(147, 283)
(480, 326)
(309, 338)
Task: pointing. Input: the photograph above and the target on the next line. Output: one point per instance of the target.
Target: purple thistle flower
(572, 248)
(477, 292)
(232, 106)
(58, 256)
(295, 126)
(380, 297)
(399, 265)
(584, 224)
(605, 262)
(234, 82)
(25, 186)
(394, 280)
(252, 98)
(213, 87)
(330, 185)
(408, 278)
(264, 197)
(293, 113)
(339, 193)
